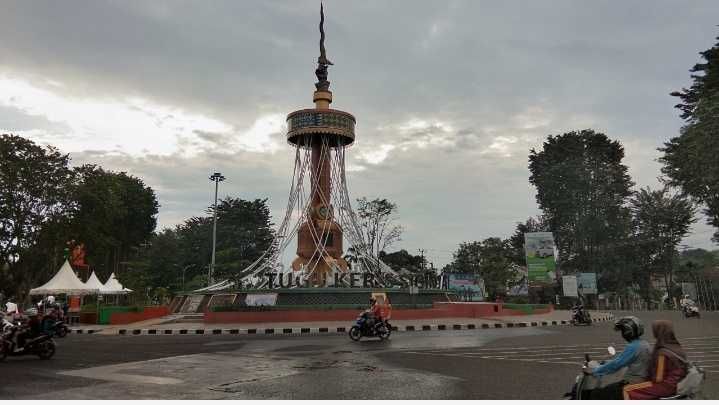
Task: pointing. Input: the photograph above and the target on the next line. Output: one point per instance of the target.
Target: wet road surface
(523, 363)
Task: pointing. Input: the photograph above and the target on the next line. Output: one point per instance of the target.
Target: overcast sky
(449, 95)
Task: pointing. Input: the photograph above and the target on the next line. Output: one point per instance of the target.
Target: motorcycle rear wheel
(46, 350)
(383, 332)
(355, 333)
(62, 332)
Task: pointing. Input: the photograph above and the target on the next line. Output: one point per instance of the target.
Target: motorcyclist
(29, 330)
(636, 357)
(373, 314)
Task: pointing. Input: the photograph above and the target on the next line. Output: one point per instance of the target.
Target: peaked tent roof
(112, 286)
(64, 282)
(94, 282)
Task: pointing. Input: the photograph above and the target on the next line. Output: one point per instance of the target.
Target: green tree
(403, 260)
(114, 213)
(582, 187)
(244, 233)
(378, 224)
(690, 160)
(491, 259)
(33, 197)
(661, 221)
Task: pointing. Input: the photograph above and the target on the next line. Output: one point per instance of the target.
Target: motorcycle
(42, 346)
(61, 330)
(586, 383)
(690, 311)
(381, 329)
(580, 316)
(55, 327)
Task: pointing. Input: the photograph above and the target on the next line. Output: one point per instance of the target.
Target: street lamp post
(217, 178)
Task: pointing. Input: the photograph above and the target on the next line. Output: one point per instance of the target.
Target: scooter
(381, 329)
(691, 311)
(580, 316)
(585, 383)
(42, 346)
(61, 330)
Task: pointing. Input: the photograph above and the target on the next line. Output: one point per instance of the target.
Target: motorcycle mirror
(612, 351)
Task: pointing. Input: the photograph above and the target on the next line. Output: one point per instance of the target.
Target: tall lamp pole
(217, 178)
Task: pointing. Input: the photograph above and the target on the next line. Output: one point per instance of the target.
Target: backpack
(691, 384)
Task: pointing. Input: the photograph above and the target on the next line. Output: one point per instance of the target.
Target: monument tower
(319, 209)
(320, 129)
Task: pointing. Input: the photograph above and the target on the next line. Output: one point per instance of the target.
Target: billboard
(587, 283)
(520, 285)
(569, 286)
(539, 248)
(470, 287)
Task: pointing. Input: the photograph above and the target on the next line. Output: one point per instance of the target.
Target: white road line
(534, 355)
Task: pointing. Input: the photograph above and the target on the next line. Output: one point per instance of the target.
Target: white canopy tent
(112, 286)
(94, 282)
(64, 282)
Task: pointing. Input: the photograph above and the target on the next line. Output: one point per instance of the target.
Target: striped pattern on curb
(338, 330)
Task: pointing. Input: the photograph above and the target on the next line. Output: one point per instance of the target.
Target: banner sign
(569, 286)
(587, 283)
(261, 300)
(520, 286)
(470, 287)
(539, 248)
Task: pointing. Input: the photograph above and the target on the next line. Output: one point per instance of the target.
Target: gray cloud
(490, 79)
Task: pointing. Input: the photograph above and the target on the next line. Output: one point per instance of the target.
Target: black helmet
(630, 326)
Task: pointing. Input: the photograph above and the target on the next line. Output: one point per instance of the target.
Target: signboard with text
(539, 249)
(469, 287)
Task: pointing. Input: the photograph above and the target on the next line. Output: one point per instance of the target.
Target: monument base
(305, 299)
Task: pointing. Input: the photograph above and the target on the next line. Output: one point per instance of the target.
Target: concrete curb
(337, 330)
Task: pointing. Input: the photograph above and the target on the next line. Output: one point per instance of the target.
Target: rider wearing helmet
(636, 357)
(30, 330)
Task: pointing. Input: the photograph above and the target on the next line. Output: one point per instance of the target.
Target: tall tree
(378, 224)
(490, 259)
(33, 196)
(690, 160)
(244, 233)
(114, 214)
(582, 187)
(661, 221)
(403, 260)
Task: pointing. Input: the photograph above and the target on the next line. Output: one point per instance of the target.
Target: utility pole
(217, 178)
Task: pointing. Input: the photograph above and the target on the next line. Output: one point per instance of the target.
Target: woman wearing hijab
(669, 366)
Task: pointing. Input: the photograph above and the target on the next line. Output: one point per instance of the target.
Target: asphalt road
(521, 363)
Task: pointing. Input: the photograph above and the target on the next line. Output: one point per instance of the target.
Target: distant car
(544, 252)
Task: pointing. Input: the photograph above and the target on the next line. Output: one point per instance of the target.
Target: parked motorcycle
(691, 311)
(381, 329)
(580, 316)
(42, 346)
